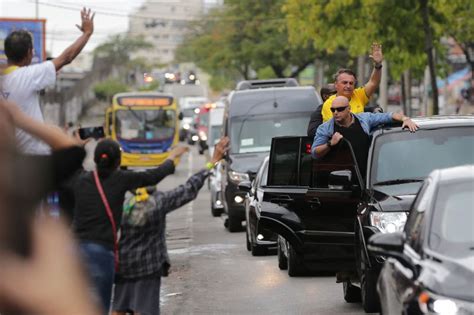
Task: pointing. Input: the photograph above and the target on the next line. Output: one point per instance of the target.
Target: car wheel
(216, 212)
(296, 265)
(351, 292)
(234, 224)
(368, 286)
(370, 298)
(282, 259)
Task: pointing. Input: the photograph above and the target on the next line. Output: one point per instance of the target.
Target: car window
(263, 179)
(254, 133)
(452, 230)
(405, 155)
(415, 221)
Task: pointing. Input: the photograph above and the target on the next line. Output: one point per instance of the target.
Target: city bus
(145, 124)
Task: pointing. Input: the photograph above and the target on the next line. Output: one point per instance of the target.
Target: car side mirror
(245, 186)
(180, 116)
(391, 245)
(384, 243)
(340, 180)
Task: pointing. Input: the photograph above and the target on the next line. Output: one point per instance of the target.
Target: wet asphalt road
(213, 273)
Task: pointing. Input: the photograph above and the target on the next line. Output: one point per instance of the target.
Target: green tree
(243, 38)
(105, 90)
(401, 26)
(458, 23)
(119, 48)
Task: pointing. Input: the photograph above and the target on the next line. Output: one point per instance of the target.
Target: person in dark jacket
(316, 117)
(91, 223)
(143, 253)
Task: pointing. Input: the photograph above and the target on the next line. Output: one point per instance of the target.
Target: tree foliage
(245, 38)
(119, 48)
(410, 31)
(106, 89)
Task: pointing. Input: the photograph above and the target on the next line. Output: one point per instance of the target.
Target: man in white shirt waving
(21, 81)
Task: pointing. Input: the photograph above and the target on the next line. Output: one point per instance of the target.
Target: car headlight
(388, 222)
(202, 135)
(237, 177)
(430, 303)
(186, 126)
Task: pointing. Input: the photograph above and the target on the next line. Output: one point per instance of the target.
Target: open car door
(313, 203)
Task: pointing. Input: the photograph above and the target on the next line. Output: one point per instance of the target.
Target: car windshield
(188, 112)
(404, 157)
(255, 133)
(451, 230)
(215, 133)
(204, 119)
(146, 125)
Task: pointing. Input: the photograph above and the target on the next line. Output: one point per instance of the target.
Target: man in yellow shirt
(345, 81)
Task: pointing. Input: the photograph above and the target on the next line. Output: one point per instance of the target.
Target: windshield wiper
(398, 181)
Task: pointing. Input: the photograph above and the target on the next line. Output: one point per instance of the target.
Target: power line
(148, 17)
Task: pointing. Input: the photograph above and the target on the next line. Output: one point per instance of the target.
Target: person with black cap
(99, 197)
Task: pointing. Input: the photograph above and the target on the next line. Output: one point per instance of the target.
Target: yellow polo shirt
(358, 101)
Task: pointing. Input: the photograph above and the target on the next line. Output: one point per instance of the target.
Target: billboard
(37, 29)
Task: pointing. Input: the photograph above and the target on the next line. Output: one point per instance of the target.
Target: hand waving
(376, 54)
(87, 21)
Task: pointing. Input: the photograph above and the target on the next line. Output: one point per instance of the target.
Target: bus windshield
(132, 124)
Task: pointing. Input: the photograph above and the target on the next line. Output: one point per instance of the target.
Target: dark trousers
(99, 262)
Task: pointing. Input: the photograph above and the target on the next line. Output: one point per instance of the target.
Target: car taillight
(308, 148)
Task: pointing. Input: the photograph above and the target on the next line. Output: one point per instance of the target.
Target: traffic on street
(236, 157)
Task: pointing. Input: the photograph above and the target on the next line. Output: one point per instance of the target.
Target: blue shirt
(368, 122)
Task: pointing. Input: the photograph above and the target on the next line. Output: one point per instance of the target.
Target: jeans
(99, 262)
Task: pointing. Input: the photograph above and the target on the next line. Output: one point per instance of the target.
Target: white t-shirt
(22, 86)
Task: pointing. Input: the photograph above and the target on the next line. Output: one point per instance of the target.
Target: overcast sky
(62, 16)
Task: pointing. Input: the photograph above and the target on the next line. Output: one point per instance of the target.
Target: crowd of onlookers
(70, 265)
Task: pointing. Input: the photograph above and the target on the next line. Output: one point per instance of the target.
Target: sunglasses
(338, 109)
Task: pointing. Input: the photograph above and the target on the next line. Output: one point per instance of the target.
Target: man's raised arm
(377, 57)
(87, 28)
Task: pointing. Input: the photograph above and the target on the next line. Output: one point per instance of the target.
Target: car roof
(245, 101)
(457, 173)
(432, 122)
(140, 93)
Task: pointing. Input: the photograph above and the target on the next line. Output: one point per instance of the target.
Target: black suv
(255, 112)
(325, 210)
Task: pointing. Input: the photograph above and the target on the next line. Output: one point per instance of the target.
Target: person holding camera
(97, 215)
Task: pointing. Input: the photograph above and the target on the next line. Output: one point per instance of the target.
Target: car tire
(282, 259)
(296, 266)
(234, 224)
(369, 295)
(258, 250)
(368, 285)
(352, 294)
(216, 212)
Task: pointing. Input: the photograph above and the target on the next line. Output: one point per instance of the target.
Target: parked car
(326, 212)
(260, 241)
(255, 112)
(430, 265)
(215, 132)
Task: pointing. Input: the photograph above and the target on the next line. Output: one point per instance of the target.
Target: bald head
(340, 101)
